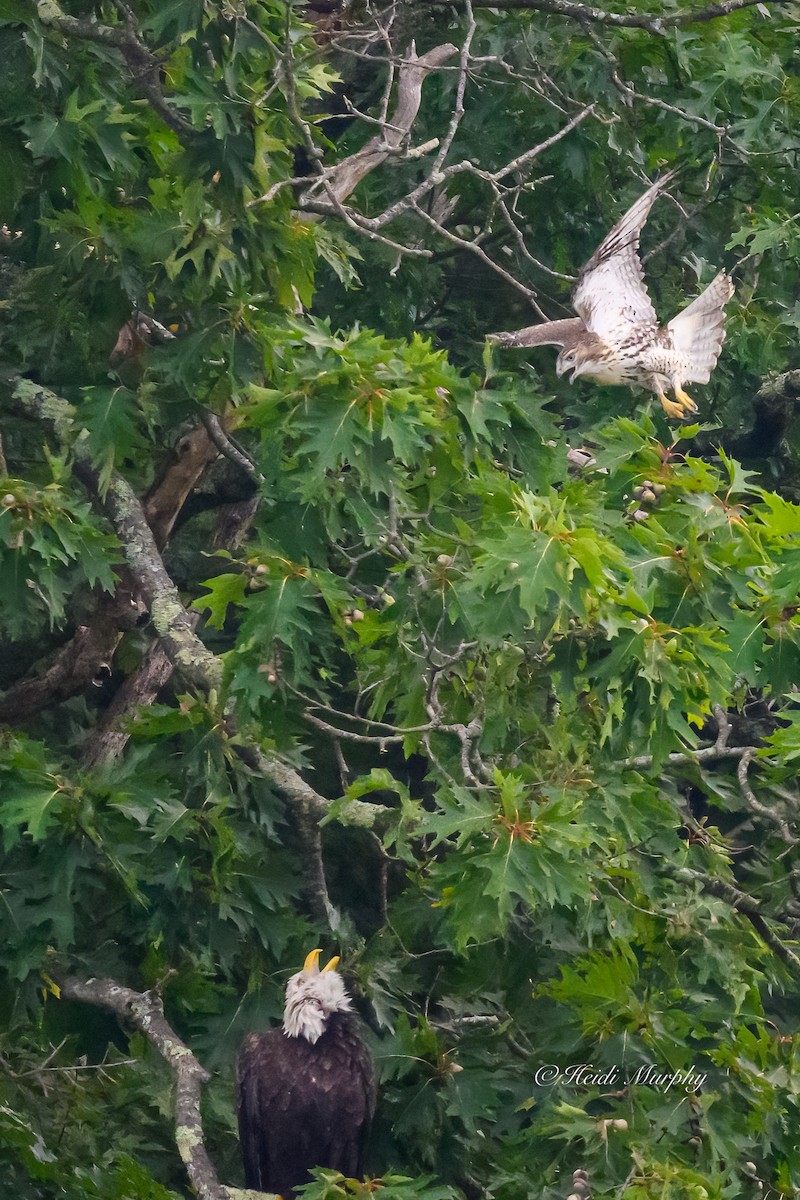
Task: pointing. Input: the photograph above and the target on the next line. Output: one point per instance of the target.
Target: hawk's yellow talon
(686, 402)
(671, 408)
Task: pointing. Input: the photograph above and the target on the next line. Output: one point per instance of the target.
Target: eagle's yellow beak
(312, 961)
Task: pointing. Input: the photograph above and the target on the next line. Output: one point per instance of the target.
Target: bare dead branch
(369, 739)
(653, 22)
(461, 87)
(632, 96)
(472, 247)
(346, 175)
(413, 198)
(326, 192)
(340, 180)
(333, 202)
(644, 762)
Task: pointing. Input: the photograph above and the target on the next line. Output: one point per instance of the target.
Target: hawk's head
(590, 355)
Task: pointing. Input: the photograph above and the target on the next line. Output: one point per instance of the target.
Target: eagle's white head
(312, 995)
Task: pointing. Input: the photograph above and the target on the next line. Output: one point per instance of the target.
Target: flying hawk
(616, 338)
(305, 1093)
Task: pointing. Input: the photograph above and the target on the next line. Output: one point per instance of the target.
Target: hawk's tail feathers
(698, 331)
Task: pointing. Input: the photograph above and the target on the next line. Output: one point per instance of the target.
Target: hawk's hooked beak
(562, 369)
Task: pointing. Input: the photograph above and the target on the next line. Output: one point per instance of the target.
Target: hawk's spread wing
(698, 330)
(611, 296)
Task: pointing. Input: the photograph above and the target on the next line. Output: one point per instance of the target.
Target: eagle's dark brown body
(303, 1104)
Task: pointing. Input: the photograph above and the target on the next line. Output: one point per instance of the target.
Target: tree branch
(91, 649)
(642, 762)
(145, 1012)
(201, 669)
(188, 460)
(143, 65)
(78, 663)
(744, 904)
(141, 688)
(345, 176)
(653, 22)
(755, 805)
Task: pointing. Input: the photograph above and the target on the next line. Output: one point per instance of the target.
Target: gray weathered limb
(342, 179)
(144, 1011)
(653, 22)
(201, 669)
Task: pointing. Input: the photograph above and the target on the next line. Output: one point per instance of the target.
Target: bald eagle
(305, 1093)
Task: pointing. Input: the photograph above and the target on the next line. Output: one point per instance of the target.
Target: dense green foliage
(431, 606)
